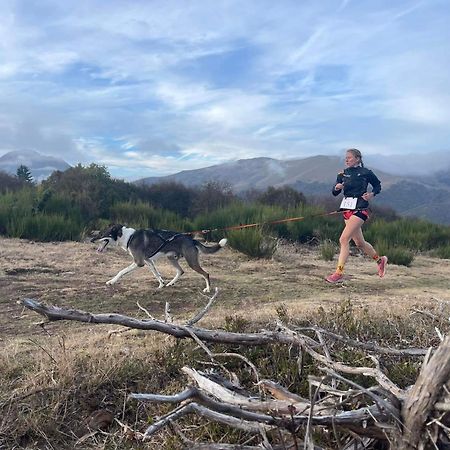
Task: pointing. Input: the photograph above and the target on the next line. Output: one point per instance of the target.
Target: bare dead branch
(382, 379)
(357, 419)
(363, 413)
(201, 313)
(279, 392)
(366, 345)
(233, 398)
(145, 310)
(167, 313)
(54, 313)
(240, 424)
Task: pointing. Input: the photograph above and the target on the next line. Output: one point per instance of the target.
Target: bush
(253, 242)
(328, 249)
(400, 256)
(238, 213)
(442, 252)
(413, 234)
(143, 215)
(285, 197)
(44, 228)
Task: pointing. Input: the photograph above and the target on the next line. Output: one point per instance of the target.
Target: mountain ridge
(415, 195)
(40, 165)
(259, 173)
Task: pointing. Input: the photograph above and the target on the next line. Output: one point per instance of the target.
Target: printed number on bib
(349, 203)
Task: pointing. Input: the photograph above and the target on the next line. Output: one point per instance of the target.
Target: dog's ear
(117, 230)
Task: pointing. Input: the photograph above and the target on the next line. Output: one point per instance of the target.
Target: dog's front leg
(155, 272)
(128, 269)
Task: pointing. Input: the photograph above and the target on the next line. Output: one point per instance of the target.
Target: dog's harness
(130, 239)
(164, 243)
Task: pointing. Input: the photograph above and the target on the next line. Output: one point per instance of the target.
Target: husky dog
(147, 245)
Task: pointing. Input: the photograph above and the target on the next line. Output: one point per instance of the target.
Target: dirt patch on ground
(73, 274)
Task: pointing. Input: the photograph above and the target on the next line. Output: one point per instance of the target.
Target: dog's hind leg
(174, 261)
(191, 256)
(155, 272)
(128, 269)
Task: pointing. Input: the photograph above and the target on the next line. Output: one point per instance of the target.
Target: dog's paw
(110, 282)
(206, 290)
(161, 285)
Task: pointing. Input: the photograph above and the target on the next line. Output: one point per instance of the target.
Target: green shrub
(327, 249)
(400, 256)
(253, 242)
(442, 252)
(414, 234)
(48, 227)
(143, 215)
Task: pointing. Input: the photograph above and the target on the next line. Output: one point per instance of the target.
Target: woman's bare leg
(352, 228)
(366, 247)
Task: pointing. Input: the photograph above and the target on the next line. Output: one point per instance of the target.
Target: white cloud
(160, 87)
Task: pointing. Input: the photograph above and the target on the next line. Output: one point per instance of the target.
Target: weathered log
(54, 313)
(421, 399)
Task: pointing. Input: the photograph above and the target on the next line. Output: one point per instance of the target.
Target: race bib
(349, 203)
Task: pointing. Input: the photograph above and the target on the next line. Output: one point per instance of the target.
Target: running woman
(354, 181)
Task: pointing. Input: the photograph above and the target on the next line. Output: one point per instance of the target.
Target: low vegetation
(328, 249)
(69, 205)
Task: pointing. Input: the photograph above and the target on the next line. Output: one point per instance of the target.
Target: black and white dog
(147, 245)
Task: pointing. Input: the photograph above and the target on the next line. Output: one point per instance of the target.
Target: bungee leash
(238, 227)
(273, 222)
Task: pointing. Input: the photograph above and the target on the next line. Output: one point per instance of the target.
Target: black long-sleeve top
(356, 180)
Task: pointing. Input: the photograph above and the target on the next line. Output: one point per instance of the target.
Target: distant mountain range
(259, 173)
(426, 196)
(422, 195)
(41, 166)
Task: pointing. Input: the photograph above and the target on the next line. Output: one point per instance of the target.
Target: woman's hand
(339, 186)
(367, 196)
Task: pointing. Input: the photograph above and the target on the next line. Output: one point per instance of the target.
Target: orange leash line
(273, 222)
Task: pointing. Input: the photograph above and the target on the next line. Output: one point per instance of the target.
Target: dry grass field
(70, 274)
(73, 275)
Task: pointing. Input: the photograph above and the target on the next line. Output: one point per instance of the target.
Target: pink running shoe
(334, 278)
(382, 263)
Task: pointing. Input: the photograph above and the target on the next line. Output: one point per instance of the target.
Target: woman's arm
(339, 184)
(376, 186)
(375, 182)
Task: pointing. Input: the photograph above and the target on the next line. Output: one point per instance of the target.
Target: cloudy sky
(154, 87)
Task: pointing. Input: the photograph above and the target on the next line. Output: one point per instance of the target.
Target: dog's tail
(213, 249)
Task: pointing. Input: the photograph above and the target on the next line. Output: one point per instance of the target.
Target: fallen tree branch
(55, 313)
(376, 373)
(366, 345)
(249, 409)
(240, 424)
(201, 313)
(372, 415)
